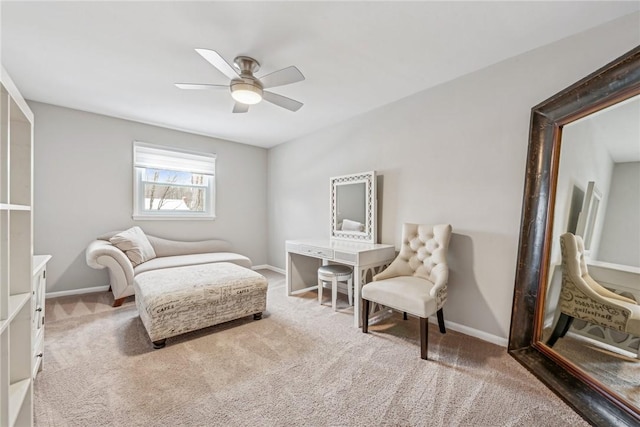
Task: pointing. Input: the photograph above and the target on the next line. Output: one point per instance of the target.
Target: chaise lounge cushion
(193, 259)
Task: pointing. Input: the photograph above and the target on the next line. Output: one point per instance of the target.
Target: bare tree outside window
(171, 190)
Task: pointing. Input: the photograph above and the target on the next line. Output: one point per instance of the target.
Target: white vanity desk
(305, 256)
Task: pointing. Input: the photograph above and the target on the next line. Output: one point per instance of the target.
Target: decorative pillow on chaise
(134, 243)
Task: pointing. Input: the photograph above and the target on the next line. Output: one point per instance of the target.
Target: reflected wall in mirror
(589, 213)
(599, 163)
(582, 177)
(353, 207)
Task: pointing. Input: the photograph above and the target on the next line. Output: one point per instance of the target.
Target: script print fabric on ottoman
(176, 300)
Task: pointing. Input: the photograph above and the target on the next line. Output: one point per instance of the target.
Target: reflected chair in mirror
(333, 274)
(416, 281)
(581, 297)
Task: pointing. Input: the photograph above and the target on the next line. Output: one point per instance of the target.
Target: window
(171, 183)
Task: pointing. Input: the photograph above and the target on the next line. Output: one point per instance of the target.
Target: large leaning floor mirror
(576, 313)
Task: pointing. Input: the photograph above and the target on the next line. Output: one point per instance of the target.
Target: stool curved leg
(334, 293)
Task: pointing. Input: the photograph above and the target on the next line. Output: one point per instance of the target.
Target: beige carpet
(301, 365)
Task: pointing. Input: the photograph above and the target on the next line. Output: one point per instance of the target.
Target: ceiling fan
(246, 89)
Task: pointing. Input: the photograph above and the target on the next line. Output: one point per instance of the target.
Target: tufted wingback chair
(583, 298)
(416, 281)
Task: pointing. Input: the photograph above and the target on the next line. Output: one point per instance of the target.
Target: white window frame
(147, 155)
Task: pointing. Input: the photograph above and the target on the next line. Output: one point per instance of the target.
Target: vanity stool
(335, 273)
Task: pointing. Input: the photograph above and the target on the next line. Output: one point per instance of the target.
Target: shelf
(16, 302)
(14, 207)
(17, 393)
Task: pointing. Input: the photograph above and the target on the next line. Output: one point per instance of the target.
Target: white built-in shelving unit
(16, 257)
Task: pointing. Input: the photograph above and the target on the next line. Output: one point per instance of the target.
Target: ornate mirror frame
(609, 85)
(369, 234)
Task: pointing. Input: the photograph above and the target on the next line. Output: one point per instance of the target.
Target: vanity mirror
(353, 207)
(575, 192)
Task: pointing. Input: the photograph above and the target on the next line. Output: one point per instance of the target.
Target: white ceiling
(122, 58)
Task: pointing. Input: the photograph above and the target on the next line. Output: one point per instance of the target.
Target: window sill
(173, 218)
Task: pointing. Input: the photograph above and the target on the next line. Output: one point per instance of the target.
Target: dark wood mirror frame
(609, 85)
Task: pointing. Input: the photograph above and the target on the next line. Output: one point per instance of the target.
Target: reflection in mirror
(353, 207)
(598, 198)
(588, 215)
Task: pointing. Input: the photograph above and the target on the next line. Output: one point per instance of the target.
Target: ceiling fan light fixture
(246, 93)
(245, 88)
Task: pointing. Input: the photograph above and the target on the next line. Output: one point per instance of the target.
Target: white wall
(620, 239)
(455, 153)
(83, 188)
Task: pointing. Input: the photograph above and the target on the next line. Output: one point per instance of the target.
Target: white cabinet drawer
(38, 352)
(309, 250)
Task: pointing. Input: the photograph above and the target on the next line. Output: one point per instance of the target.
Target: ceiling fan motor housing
(246, 89)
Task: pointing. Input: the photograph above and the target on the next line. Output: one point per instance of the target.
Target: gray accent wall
(455, 153)
(84, 188)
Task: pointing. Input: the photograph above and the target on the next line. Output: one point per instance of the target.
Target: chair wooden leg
(118, 302)
(566, 327)
(424, 337)
(441, 321)
(365, 315)
(562, 326)
(404, 315)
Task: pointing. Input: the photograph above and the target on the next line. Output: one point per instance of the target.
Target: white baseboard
(484, 336)
(77, 291)
(269, 267)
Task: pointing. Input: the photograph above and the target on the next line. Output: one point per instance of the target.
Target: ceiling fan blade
(282, 101)
(219, 62)
(240, 108)
(200, 86)
(282, 77)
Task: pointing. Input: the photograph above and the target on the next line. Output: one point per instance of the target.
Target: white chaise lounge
(126, 263)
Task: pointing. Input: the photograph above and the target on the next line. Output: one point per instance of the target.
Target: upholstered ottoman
(172, 301)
